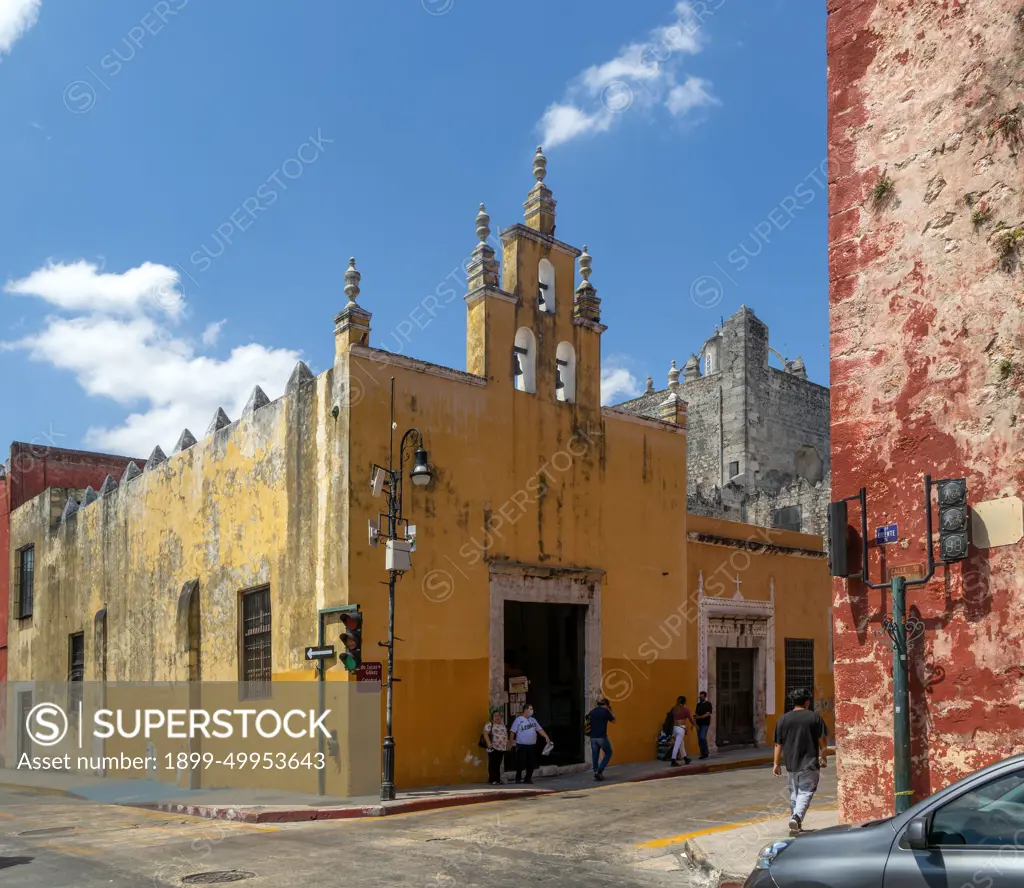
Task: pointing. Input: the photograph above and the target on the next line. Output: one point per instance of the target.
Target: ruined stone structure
(758, 443)
(926, 228)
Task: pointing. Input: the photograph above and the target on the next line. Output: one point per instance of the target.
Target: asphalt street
(608, 834)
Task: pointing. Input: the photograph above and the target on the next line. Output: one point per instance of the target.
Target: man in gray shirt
(800, 739)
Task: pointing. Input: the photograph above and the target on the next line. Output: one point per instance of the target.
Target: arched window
(524, 361)
(565, 372)
(546, 287)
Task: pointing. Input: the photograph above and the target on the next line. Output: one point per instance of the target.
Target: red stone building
(926, 259)
(31, 470)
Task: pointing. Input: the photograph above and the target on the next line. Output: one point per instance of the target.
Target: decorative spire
(587, 307)
(70, 507)
(352, 323)
(673, 375)
(155, 458)
(109, 485)
(482, 268)
(483, 225)
(692, 369)
(540, 204)
(673, 409)
(256, 400)
(186, 440)
(352, 278)
(540, 165)
(650, 385)
(300, 376)
(90, 496)
(220, 420)
(131, 471)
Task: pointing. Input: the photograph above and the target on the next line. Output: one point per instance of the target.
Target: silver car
(968, 835)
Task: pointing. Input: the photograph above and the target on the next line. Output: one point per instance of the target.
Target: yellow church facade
(552, 541)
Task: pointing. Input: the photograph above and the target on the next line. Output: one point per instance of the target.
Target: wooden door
(735, 678)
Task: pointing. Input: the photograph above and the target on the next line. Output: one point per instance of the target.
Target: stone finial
(540, 164)
(585, 262)
(185, 440)
(483, 225)
(692, 369)
(109, 485)
(352, 279)
(673, 409)
(256, 400)
(540, 203)
(650, 385)
(155, 458)
(673, 375)
(90, 496)
(131, 471)
(70, 507)
(220, 420)
(798, 368)
(300, 376)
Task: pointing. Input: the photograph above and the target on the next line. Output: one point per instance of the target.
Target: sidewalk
(264, 806)
(727, 854)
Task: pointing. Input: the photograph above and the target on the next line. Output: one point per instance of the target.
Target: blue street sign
(888, 534)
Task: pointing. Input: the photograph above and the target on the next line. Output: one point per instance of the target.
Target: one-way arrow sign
(320, 653)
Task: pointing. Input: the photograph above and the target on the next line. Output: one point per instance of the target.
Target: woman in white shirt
(524, 738)
(496, 736)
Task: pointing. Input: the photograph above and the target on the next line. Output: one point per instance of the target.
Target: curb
(296, 815)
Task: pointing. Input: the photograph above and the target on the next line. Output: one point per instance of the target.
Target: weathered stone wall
(704, 428)
(927, 353)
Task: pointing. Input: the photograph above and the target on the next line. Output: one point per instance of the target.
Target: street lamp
(389, 481)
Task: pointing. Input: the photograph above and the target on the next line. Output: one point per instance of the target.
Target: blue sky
(186, 181)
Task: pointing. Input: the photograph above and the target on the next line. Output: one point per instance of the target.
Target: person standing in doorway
(599, 717)
(681, 717)
(524, 737)
(800, 740)
(703, 718)
(496, 736)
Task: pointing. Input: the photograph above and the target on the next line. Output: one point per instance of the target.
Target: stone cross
(737, 581)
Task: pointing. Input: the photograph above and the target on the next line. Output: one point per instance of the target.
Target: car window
(992, 814)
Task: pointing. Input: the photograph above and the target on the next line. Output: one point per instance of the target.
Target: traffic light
(351, 653)
(838, 556)
(954, 520)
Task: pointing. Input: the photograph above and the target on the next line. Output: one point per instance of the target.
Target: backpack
(668, 724)
(586, 725)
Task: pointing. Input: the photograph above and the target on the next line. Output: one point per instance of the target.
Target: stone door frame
(750, 624)
(512, 581)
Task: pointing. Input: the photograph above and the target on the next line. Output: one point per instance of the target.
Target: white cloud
(84, 286)
(691, 94)
(212, 332)
(118, 347)
(16, 17)
(617, 385)
(641, 75)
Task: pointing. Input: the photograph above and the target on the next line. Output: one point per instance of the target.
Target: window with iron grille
(787, 518)
(26, 568)
(799, 667)
(256, 643)
(76, 671)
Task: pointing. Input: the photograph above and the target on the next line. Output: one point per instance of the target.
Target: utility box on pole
(397, 558)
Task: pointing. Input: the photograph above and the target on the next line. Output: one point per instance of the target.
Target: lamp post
(389, 480)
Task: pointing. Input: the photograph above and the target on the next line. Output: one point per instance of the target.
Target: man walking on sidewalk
(599, 742)
(800, 739)
(702, 716)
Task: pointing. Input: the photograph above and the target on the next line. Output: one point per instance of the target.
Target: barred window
(256, 643)
(787, 518)
(76, 671)
(26, 567)
(799, 667)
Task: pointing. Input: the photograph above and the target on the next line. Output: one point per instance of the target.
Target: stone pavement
(727, 854)
(255, 806)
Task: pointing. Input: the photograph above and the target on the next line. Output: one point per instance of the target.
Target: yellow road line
(685, 837)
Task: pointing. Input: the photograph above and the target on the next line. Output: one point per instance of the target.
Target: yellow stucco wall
(795, 566)
(521, 482)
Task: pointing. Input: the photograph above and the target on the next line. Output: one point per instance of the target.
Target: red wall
(33, 469)
(927, 371)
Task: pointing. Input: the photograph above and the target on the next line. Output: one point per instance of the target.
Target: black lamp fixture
(420, 473)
